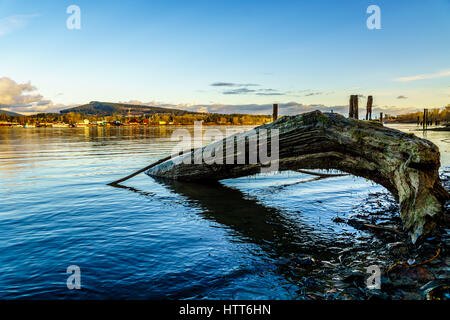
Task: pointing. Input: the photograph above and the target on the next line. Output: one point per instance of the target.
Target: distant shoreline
(130, 126)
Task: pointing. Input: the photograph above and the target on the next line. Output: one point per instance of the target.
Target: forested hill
(95, 108)
(9, 113)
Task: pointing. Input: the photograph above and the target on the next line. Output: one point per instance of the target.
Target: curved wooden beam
(403, 163)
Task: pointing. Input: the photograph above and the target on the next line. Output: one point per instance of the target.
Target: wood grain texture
(403, 163)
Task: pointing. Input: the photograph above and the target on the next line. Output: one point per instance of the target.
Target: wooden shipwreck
(403, 163)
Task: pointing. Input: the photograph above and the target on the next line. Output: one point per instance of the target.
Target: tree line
(434, 115)
(167, 118)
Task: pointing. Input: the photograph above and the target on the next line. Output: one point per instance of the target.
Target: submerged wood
(403, 163)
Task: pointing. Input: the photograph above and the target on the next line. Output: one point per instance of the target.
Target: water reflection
(235, 239)
(277, 233)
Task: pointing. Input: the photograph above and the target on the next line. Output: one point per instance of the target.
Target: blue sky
(204, 53)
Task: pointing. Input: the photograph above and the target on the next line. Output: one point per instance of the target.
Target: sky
(225, 56)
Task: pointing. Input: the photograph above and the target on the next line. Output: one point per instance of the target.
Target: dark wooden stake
(425, 119)
(369, 108)
(275, 111)
(350, 107)
(355, 107)
(381, 117)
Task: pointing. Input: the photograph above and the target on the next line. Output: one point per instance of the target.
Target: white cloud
(424, 76)
(12, 23)
(202, 109)
(21, 98)
(12, 93)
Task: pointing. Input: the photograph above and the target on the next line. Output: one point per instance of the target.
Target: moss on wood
(404, 164)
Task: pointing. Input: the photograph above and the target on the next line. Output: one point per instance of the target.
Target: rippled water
(233, 240)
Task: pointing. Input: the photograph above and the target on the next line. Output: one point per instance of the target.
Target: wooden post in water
(355, 107)
(425, 119)
(369, 108)
(350, 107)
(381, 117)
(275, 111)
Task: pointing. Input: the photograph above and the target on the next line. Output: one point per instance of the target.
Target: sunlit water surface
(152, 240)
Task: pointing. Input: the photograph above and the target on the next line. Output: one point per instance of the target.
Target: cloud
(269, 94)
(21, 97)
(13, 23)
(137, 102)
(424, 76)
(242, 88)
(231, 84)
(290, 108)
(12, 93)
(307, 93)
(402, 97)
(313, 94)
(259, 92)
(395, 110)
(239, 91)
(202, 109)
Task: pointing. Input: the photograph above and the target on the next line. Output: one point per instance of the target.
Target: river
(149, 240)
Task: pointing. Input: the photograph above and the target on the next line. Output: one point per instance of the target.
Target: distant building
(7, 123)
(60, 125)
(45, 124)
(85, 123)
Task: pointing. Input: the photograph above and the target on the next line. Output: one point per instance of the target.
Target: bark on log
(403, 163)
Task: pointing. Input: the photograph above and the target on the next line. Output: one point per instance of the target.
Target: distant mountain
(96, 108)
(9, 113)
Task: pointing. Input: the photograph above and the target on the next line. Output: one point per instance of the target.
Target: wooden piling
(275, 111)
(381, 117)
(355, 107)
(350, 107)
(425, 119)
(369, 108)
